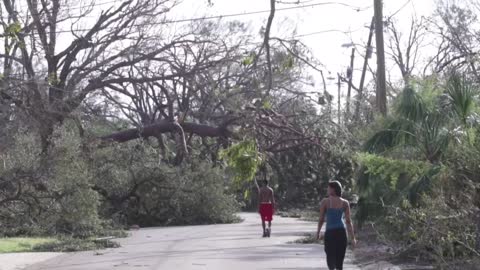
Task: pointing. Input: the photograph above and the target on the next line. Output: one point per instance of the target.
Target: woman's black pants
(335, 247)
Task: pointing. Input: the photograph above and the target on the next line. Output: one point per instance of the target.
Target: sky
(352, 17)
(323, 26)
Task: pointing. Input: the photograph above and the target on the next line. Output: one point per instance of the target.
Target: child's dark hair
(265, 182)
(337, 187)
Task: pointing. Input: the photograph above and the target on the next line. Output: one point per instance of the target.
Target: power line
(358, 9)
(268, 11)
(93, 4)
(329, 31)
(400, 9)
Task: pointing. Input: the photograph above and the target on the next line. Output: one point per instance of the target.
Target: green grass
(19, 244)
(59, 244)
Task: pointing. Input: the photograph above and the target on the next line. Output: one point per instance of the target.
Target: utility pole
(339, 99)
(381, 89)
(368, 54)
(350, 77)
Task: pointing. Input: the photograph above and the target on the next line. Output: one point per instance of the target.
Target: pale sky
(327, 47)
(352, 17)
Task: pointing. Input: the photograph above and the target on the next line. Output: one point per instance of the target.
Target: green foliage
(434, 230)
(53, 79)
(300, 174)
(460, 95)
(63, 244)
(13, 30)
(396, 132)
(420, 187)
(289, 62)
(83, 192)
(244, 159)
(411, 106)
(267, 104)
(385, 181)
(413, 125)
(139, 188)
(248, 60)
(49, 197)
(391, 169)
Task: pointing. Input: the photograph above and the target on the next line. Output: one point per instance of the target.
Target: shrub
(137, 187)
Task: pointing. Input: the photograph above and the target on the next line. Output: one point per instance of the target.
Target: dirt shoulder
(372, 254)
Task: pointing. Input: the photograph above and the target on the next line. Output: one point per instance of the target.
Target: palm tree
(416, 133)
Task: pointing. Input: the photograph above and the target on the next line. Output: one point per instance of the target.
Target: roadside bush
(83, 191)
(47, 194)
(137, 187)
(418, 180)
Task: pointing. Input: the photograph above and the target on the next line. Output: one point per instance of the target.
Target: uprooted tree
(121, 117)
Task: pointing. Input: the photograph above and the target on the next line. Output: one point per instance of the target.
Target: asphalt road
(213, 247)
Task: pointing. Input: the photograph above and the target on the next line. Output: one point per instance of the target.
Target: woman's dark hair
(337, 187)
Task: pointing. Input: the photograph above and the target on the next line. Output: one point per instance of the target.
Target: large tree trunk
(164, 127)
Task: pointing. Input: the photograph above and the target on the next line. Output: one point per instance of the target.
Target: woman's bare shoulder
(323, 202)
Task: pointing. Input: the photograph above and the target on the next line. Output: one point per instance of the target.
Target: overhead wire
(356, 8)
(398, 11)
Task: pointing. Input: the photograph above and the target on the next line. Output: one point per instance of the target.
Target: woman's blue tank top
(335, 217)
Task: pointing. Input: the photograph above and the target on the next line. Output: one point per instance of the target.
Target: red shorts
(266, 211)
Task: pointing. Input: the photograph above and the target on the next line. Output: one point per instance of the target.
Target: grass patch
(20, 244)
(74, 244)
(308, 238)
(60, 244)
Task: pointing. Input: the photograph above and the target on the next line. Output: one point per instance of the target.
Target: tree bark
(267, 46)
(339, 99)
(350, 78)
(164, 127)
(364, 70)
(381, 89)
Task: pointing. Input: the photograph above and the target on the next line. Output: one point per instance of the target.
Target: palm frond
(397, 132)
(411, 106)
(433, 136)
(460, 96)
(363, 182)
(422, 185)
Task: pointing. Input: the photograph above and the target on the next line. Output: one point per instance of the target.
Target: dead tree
(405, 53)
(51, 81)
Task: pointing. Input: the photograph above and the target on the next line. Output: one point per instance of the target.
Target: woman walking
(336, 210)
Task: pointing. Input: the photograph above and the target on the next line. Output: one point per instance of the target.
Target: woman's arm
(348, 219)
(258, 194)
(321, 220)
(273, 202)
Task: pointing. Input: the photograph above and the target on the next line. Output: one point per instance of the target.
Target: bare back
(266, 195)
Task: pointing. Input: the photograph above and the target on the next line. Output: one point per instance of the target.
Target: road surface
(213, 247)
